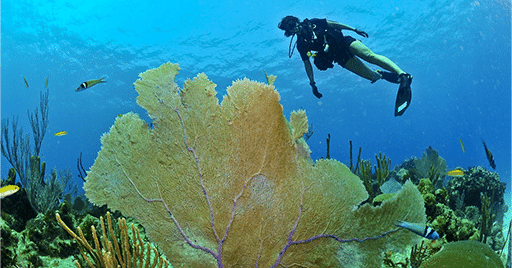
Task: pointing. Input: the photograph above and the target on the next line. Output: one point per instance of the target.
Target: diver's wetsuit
(330, 45)
(324, 41)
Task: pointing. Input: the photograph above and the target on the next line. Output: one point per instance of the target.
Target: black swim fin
(404, 95)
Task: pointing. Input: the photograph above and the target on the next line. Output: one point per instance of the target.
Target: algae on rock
(233, 184)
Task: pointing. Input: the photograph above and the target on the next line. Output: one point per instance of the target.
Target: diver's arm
(339, 26)
(309, 71)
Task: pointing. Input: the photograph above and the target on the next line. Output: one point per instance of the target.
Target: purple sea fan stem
(190, 149)
(293, 242)
(182, 232)
(217, 256)
(232, 215)
(292, 232)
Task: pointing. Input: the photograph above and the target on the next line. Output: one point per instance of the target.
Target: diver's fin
(390, 77)
(404, 95)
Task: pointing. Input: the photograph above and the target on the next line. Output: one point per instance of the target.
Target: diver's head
(290, 25)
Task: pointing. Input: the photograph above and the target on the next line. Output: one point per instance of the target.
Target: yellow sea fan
(237, 177)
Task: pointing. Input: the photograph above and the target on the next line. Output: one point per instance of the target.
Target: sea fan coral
(233, 184)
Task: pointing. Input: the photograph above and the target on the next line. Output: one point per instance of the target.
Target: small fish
(60, 133)
(120, 115)
(419, 229)
(46, 83)
(26, 83)
(90, 83)
(455, 173)
(8, 190)
(462, 146)
(489, 156)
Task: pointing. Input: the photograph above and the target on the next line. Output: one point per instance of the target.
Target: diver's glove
(361, 33)
(315, 90)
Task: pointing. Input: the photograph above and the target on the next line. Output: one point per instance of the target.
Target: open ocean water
(459, 53)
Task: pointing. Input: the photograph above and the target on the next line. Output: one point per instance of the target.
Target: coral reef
(373, 181)
(467, 207)
(16, 209)
(471, 207)
(430, 165)
(466, 190)
(464, 254)
(450, 225)
(429, 159)
(417, 256)
(233, 184)
(44, 243)
(478, 196)
(42, 237)
(43, 190)
(118, 250)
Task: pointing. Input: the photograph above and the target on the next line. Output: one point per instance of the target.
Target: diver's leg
(356, 66)
(363, 52)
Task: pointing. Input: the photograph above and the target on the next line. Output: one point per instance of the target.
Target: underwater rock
(464, 254)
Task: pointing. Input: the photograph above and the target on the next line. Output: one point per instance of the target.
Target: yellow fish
(46, 83)
(462, 146)
(8, 190)
(90, 83)
(455, 173)
(60, 133)
(26, 83)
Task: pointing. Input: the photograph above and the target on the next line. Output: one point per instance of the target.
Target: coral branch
(295, 242)
(200, 173)
(39, 125)
(180, 229)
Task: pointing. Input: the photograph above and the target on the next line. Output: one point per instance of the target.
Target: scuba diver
(323, 40)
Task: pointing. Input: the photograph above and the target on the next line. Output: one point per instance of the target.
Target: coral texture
(233, 184)
(429, 159)
(464, 254)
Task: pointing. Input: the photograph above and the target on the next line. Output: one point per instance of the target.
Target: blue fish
(419, 229)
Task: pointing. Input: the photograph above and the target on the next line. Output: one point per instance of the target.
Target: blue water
(459, 53)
